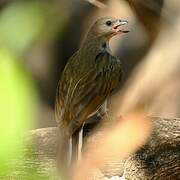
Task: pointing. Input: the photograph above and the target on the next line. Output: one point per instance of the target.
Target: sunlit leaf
(21, 24)
(17, 106)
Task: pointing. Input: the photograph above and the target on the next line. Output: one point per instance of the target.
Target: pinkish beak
(117, 26)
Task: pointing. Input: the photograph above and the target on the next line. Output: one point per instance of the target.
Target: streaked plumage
(89, 77)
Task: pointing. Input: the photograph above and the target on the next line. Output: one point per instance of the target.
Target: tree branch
(158, 159)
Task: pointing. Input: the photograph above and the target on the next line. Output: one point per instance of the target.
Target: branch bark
(158, 159)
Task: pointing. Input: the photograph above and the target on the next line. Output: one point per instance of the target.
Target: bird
(88, 79)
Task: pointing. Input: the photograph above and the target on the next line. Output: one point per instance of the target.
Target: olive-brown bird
(89, 77)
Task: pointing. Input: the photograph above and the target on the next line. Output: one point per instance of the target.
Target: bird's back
(84, 86)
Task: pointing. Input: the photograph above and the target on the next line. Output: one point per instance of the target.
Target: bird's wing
(86, 94)
(63, 92)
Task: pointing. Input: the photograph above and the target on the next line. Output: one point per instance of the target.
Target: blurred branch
(103, 144)
(158, 159)
(149, 14)
(3, 3)
(97, 3)
(143, 34)
(160, 67)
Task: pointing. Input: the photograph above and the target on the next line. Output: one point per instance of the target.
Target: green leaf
(17, 107)
(21, 24)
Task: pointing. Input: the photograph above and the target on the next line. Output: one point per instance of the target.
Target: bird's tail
(64, 155)
(70, 149)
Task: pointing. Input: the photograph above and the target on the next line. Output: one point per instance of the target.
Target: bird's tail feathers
(64, 154)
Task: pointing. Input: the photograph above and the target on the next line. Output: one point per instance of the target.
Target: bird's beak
(117, 27)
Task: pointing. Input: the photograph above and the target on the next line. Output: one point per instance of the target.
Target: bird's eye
(108, 23)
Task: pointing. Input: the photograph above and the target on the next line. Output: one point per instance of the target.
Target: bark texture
(158, 159)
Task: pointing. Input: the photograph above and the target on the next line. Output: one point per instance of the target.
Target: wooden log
(158, 159)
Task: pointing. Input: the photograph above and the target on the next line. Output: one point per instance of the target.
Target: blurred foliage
(17, 106)
(23, 23)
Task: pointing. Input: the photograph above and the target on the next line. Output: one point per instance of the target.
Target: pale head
(108, 27)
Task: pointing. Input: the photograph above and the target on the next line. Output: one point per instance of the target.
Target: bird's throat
(95, 44)
(104, 46)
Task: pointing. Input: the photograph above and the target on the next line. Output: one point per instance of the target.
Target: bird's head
(108, 27)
